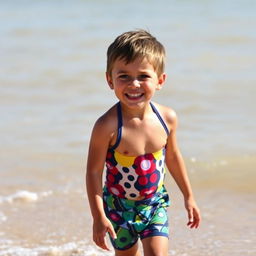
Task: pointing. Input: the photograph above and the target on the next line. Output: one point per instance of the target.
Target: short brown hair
(134, 44)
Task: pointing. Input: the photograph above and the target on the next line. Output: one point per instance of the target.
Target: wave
(74, 249)
(24, 196)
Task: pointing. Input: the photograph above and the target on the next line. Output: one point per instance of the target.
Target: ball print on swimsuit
(135, 178)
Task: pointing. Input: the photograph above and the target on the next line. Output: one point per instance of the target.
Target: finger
(112, 232)
(190, 217)
(103, 245)
(190, 224)
(193, 224)
(101, 242)
(196, 220)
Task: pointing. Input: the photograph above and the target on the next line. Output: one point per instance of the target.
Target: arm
(95, 164)
(177, 168)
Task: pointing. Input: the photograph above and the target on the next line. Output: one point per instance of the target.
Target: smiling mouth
(134, 96)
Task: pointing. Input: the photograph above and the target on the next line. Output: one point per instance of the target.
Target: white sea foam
(24, 196)
(74, 249)
(45, 194)
(3, 218)
(193, 159)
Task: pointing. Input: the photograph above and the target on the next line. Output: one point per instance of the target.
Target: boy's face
(136, 82)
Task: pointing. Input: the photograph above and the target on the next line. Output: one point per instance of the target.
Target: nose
(135, 82)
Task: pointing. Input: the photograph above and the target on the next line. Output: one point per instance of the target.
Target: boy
(135, 139)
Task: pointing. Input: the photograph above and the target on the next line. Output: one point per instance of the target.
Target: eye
(144, 77)
(124, 77)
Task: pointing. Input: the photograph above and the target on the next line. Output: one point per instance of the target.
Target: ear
(109, 80)
(161, 80)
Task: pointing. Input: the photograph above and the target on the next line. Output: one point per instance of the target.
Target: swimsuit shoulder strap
(159, 117)
(119, 126)
(120, 123)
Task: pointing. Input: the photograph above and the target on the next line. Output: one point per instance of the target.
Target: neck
(136, 112)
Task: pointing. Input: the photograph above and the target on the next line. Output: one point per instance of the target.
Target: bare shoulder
(106, 124)
(168, 114)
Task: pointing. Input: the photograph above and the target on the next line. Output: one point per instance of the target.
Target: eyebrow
(121, 71)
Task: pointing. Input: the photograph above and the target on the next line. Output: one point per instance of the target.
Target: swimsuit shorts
(133, 219)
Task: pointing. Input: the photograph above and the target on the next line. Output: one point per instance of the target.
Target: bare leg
(133, 251)
(155, 246)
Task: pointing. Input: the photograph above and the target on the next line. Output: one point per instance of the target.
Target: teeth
(134, 95)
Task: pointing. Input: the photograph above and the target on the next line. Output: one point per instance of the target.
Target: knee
(158, 254)
(155, 246)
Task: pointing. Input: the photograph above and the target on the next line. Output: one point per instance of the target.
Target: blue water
(57, 49)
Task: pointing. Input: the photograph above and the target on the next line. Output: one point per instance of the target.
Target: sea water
(52, 89)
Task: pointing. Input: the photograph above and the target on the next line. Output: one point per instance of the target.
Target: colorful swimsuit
(134, 196)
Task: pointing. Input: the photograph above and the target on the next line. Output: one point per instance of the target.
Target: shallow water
(52, 89)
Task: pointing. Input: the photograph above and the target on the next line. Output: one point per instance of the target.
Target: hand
(100, 228)
(194, 217)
